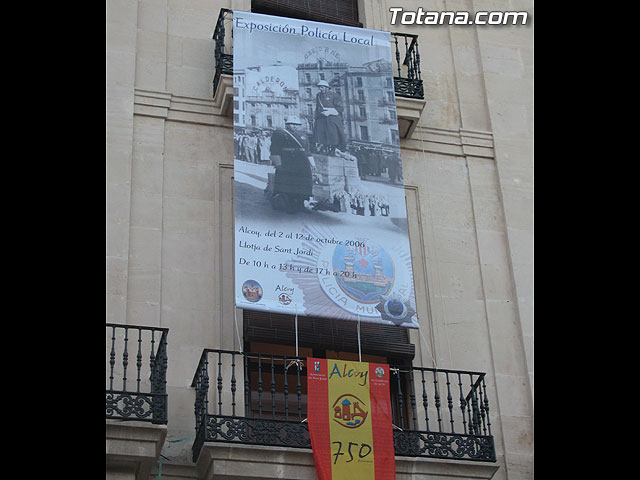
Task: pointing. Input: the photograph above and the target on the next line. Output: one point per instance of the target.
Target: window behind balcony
(272, 333)
(342, 12)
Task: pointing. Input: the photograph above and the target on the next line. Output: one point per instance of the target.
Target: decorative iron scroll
(127, 405)
(444, 445)
(259, 431)
(252, 431)
(408, 88)
(137, 407)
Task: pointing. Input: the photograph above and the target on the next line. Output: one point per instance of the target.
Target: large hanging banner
(349, 416)
(320, 214)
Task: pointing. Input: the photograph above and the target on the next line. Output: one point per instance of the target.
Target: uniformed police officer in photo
(328, 127)
(293, 180)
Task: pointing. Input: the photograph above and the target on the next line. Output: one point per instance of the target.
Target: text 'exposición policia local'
(304, 30)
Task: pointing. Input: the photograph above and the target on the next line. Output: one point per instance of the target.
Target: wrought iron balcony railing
(408, 82)
(136, 373)
(221, 55)
(406, 70)
(261, 399)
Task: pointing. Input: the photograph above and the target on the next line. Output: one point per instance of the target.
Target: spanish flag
(349, 416)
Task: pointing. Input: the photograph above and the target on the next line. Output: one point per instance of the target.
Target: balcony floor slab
(235, 462)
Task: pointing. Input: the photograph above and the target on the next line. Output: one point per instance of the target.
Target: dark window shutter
(323, 334)
(342, 12)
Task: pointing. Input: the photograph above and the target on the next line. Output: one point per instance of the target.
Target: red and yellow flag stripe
(349, 415)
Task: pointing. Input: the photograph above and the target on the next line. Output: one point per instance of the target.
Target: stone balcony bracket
(133, 448)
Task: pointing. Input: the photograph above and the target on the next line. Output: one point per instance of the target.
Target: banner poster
(319, 206)
(349, 416)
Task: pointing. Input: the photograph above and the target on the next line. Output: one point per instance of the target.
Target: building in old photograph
(239, 117)
(199, 389)
(368, 95)
(269, 96)
(372, 107)
(270, 110)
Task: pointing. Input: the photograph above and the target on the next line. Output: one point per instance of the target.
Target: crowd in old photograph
(253, 146)
(376, 163)
(359, 203)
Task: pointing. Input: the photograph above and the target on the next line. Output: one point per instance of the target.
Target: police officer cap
(293, 119)
(323, 83)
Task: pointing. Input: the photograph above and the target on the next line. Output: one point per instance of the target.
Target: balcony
(261, 399)
(407, 80)
(136, 404)
(136, 391)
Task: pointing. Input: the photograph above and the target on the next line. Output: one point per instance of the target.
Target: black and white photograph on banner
(320, 210)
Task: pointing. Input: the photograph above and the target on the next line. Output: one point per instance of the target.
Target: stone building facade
(467, 157)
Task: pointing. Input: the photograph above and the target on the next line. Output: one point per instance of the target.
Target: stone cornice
(180, 108)
(462, 142)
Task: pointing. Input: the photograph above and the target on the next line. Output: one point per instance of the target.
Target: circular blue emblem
(395, 307)
(365, 271)
(252, 291)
